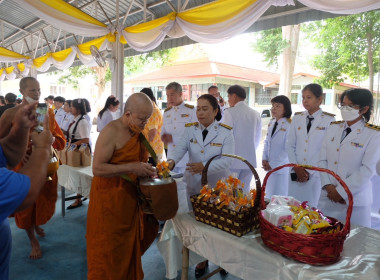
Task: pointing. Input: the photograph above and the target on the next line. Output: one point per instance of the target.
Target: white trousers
(361, 215)
(277, 184)
(308, 191)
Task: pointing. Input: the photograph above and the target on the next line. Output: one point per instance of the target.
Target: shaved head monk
(118, 232)
(43, 209)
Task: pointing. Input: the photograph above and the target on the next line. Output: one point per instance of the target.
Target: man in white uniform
(175, 117)
(214, 91)
(246, 126)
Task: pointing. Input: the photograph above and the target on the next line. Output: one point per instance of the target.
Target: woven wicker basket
(236, 223)
(315, 249)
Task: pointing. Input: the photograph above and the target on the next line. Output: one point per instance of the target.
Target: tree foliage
(349, 47)
(271, 45)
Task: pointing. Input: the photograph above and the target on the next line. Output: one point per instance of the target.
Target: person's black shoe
(74, 206)
(199, 272)
(223, 272)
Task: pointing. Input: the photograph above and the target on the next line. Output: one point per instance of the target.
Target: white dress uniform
(246, 124)
(219, 139)
(106, 118)
(354, 160)
(276, 154)
(59, 115)
(174, 122)
(304, 148)
(376, 189)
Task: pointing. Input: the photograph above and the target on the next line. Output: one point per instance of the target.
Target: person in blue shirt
(18, 191)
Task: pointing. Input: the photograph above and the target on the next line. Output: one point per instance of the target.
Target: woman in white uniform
(106, 115)
(351, 149)
(275, 153)
(203, 140)
(78, 133)
(304, 144)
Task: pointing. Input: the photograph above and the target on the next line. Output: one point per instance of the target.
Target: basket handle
(257, 178)
(346, 227)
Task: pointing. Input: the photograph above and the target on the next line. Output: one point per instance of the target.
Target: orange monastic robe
(118, 233)
(44, 207)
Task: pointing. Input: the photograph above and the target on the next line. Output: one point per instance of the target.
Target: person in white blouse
(351, 149)
(304, 144)
(275, 153)
(67, 118)
(78, 132)
(246, 124)
(106, 115)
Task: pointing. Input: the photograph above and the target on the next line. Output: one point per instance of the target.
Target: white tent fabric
(342, 6)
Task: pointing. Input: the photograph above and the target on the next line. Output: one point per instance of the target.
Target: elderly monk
(43, 209)
(118, 233)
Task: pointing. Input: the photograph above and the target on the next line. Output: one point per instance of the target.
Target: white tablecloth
(76, 179)
(248, 258)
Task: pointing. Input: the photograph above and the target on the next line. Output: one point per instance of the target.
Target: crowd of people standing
(118, 232)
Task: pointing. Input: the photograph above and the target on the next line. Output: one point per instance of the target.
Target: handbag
(157, 196)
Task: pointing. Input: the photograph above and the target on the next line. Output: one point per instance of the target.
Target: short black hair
(238, 90)
(50, 97)
(10, 97)
(80, 105)
(59, 99)
(214, 104)
(360, 96)
(88, 105)
(174, 85)
(315, 89)
(208, 90)
(284, 101)
(150, 94)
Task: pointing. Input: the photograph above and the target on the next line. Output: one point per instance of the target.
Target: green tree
(349, 47)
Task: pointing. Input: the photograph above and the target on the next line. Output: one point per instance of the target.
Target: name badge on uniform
(283, 129)
(185, 115)
(357, 145)
(216, 144)
(193, 141)
(168, 116)
(320, 128)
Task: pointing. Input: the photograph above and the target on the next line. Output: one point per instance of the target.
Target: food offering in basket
(228, 193)
(226, 207)
(290, 215)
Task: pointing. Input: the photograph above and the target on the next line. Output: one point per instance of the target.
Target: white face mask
(349, 114)
(29, 99)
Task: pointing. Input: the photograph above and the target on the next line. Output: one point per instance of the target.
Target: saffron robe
(44, 207)
(118, 233)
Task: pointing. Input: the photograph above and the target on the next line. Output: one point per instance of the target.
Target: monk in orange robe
(118, 232)
(43, 209)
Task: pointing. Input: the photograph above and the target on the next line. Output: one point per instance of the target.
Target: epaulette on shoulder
(338, 122)
(328, 114)
(225, 126)
(167, 109)
(289, 120)
(298, 113)
(191, 124)
(189, 106)
(372, 126)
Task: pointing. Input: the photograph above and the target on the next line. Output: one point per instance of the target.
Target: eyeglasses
(348, 107)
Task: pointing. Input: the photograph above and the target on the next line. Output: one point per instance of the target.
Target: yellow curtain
(8, 53)
(39, 61)
(146, 26)
(85, 47)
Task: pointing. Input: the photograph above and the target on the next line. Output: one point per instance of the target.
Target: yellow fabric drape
(39, 61)
(66, 8)
(62, 55)
(8, 53)
(146, 26)
(21, 67)
(85, 47)
(9, 69)
(215, 12)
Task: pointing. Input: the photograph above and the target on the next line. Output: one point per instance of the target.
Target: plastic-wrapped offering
(279, 215)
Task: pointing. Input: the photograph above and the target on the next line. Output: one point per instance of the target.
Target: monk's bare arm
(104, 150)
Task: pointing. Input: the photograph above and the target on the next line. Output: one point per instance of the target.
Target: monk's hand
(25, 117)
(171, 164)
(167, 138)
(266, 165)
(195, 167)
(143, 169)
(333, 194)
(302, 174)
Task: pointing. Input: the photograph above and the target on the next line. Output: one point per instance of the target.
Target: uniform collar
(315, 114)
(356, 125)
(179, 106)
(202, 127)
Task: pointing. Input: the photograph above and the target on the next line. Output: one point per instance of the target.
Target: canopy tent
(40, 35)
